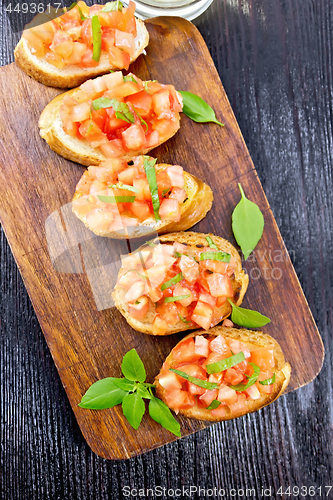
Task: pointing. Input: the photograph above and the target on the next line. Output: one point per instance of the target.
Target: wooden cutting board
(86, 343)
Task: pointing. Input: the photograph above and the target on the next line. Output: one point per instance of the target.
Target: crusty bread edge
(70, 77)
(253, 340)
(72, 148)
(193, 210)
(191, 238)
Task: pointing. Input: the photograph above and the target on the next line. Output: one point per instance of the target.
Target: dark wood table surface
(275, 60)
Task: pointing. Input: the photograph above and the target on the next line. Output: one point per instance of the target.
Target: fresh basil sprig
(177, 298)
(116, 199)
(97, 38)
(226, 363)
(211, 243)
(122, 110)
(214, 404)
(220, 256)
(149, 166)
(197, 109)
(130, 392)
(173, 281)
(112, 6)
(247, 317)
(268, 381)
(196, 381)
(251, 380)
(247, 224)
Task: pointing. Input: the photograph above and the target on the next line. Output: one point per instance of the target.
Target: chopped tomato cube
(140, 209)
(185, 351)
(178, 399)
(233, 377)
(136, 291)
(113, 149)
(252, 392)
(221, 411)
(99, 117)
(127, 176)
(239, 406)
(176, 175)
(139, 309)
(202, 315)
(170, 210)
(263, 357)
(90, 131)
(159, 326)
(195, 389)
(220, 346)
(124, 41)
(161, 104)
(208, 396)
(134, 137)
(201, 346)
(208, 298)
(168, 312)
(190, 268)
(142, 101)
(220, 285)
(181, 290)
(170, 381)
(226, 395)
(155, 294)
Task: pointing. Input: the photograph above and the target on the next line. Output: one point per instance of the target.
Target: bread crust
(71, 76)
(253, 340)
(72, 148)
(240, 283)
(195, 208)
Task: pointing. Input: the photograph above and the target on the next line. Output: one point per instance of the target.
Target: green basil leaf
(122, 110)
(164, 192)
(197, 109)
(132, 366)
(163, 416)
(97, 38)
(112, 6)
(133, 409)
(127, 187)
(83, 18)
(116, 199)
(214, 404)
(220, 256)
(149, 166)
(226, 363)
(247, 317)
(211, 243)
(268, 381)
(196, 381)
(74, 4)
(103, 394)
(178, 255)
(129, 78)
(143, 391)
(173, 281)
(247, 224)
(124, 384)
(252, 380)
(178, 297)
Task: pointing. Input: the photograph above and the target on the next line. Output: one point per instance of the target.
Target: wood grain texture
(88, 344)
(274, 59)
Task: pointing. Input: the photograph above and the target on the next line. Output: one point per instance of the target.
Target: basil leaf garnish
(129, 78)
(173, 281)
(133, 409)
(196, 381)
(268, 381)
(162, 415)
(122, 110)
(220, 256)
(211, 243)
(178, 255)
(112, 6)
(247, 317)
(149, 166)
(178, 297)
(252, 380)
(116, 199)
(226, 363)
(132, 366)
(102, 394)
(197, 109)
(127, 187)
(97, 38)
(214, 404)
(124, 384)
(247, 224)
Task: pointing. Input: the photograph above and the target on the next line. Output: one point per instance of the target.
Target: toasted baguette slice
(193, 209)
(71, 76)
(253, 340)
(80, 150)
(192, 240)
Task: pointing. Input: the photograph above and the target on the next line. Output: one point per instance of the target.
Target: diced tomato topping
(264, 358)
(239, 406)
(155, 294)
(202, 315)
(139, 309)
(219, 345)
(136, 291)
(208, 396)
(170, 381)
(201, 346)
(159, 326)
(169, 312)
(226, 395)
(176, 175)
(134, 137)
(190, 269)
(185, 351)
(178, 399)
(233, 377)
(142, 101)
(170, 210)
(221, 411)
(220, 285)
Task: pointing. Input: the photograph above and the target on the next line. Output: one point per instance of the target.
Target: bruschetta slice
(181, 282)
(113, 116)
(82, 43)
(222, 374)
(117, 200)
